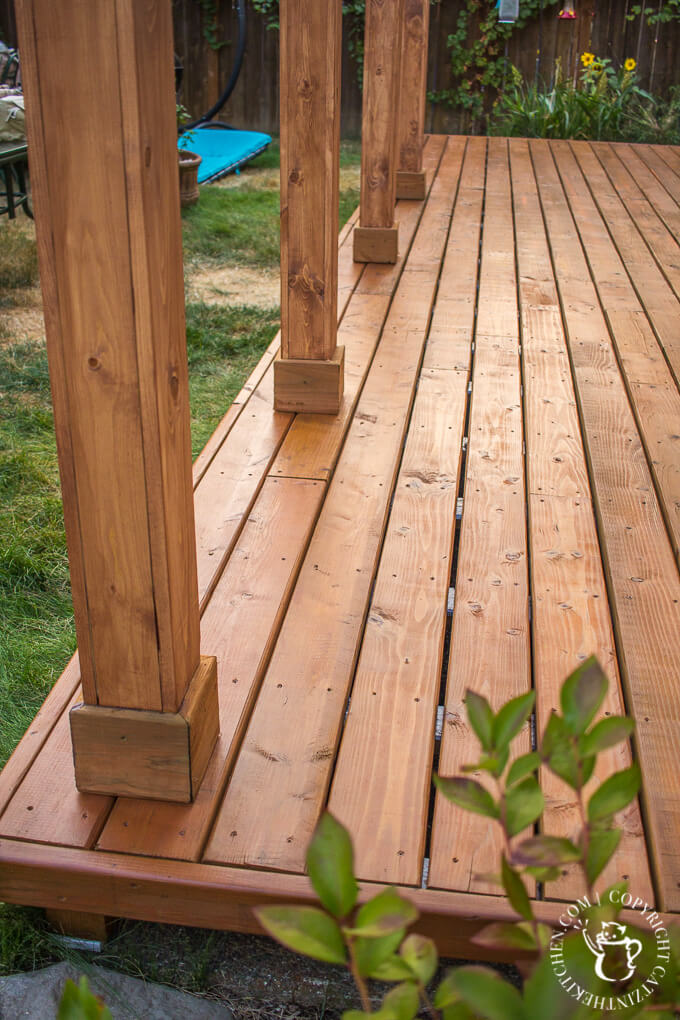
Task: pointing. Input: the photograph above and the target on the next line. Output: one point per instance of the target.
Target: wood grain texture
(652, 156)
(93, 345)
(241, 624)
(665, 205)
(309, 386)
(413, 87)
(381, 89)
(310, 56)
(651, 287)
(490, 633)
(223, 898)
(381, 785)
(145, 45)
(570, 609)
(239, 453)
(288, 766)
(641, 570)
(384, 763)
(633, 339)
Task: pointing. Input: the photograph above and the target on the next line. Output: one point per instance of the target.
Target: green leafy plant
(604, 104)
(372, 938)
(477, 54)
(79, 1003)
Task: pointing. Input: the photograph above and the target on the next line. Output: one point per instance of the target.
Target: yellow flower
(597, 65)
(630, 64)
(587, 59)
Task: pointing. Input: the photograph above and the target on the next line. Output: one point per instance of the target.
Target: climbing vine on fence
(353, 11)
(477, 52)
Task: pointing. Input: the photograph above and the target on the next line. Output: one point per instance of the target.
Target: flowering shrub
(604, 104)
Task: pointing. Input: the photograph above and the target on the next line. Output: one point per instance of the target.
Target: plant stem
(358, 980)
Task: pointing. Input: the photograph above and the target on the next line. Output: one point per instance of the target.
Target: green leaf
(601, 845)
(481, 718)
(544, 998)
(523, 805)
(79, 1003)
(546, 852)
(446, 994)
(468, 794)
(370, 954)
(393, 969)
(420, 953)
(306, 930)
(606, 733)
(543, 874)
(493, 763)
(515, 890)
(385, 913)
(582, 694)
(400, 1003)
(457, 1011)
(558, 751)
(512, 718)
(614, 794)
(487, 994)
(330, 863)
(505, 935)
(522, 766)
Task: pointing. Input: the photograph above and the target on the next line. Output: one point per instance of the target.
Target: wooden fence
(602, 29)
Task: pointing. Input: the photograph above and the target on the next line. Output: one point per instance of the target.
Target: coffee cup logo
(605, 946)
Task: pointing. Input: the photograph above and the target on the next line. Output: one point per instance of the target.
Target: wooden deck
(498, 499)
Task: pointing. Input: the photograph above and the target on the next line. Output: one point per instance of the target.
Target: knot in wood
(296, 176)
(305, 88)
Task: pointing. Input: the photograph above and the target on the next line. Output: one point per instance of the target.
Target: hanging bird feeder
(508, 11)
(568, 12)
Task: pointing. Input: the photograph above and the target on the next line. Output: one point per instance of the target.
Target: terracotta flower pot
(189, 163)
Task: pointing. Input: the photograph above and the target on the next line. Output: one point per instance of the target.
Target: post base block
(306, 385)
(411, 184)
(376, 244)
(127, 752)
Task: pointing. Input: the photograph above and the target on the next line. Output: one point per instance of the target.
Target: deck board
(490, 635)
(567, 454)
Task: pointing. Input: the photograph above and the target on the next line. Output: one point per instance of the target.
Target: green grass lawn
(237, 225)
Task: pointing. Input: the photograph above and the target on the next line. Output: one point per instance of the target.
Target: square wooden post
(309, 374)
(411, 126)
(376, 239)
(98, 77)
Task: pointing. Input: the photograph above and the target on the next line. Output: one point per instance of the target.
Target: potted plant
(189, 163)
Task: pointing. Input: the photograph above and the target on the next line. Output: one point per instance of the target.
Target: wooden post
(411, 126)
(376, 239)
(98, 77)
(309, 374)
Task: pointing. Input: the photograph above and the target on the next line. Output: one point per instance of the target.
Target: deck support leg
(79, 925)
(376, 239)
(411, 181)
(309, 373)
(102, 144)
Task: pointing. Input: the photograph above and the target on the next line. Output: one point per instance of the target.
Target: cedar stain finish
(343, 545)
(109, 244)
(504, 439)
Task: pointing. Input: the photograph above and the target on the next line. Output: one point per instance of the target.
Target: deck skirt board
(546, 276)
